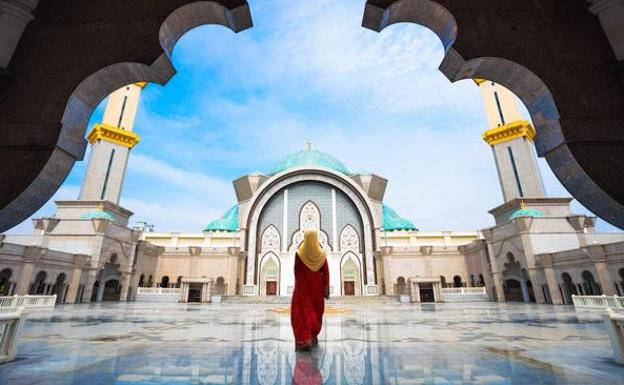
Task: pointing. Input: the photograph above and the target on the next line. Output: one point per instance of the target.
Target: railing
(463, 290)
(158, 290)
(614, 323)
(10, 321)
(28, 301)
(598, 301)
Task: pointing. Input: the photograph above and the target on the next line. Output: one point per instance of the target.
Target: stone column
(88, 286)
(125, 286)
(611, 15)
(14, 17)
(498, 285)
(537, 285)
(32, 254)
(597, 255)
(415, 291)
(74, 279)
(553, 286)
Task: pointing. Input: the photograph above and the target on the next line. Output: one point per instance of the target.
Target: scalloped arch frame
(550, 141)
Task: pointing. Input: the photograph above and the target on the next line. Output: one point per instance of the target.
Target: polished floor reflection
(487, 343)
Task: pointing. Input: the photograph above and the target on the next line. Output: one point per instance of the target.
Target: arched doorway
(517, 284)
(5, 281)
(514, 290)
(400, 286)
(220, 286)
(589, 284)
(457, 281)
(179, 282)
(269, 276)
(164, 282)
(569, 289)
(112, 290)
(39, 286)
(142, 280)
(59, 288)
(350, 276)
(481, 280)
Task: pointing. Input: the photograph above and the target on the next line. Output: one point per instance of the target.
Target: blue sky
(241, 102)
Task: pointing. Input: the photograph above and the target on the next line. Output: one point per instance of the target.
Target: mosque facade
(537, 251)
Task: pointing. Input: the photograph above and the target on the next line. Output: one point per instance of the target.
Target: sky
(308, 71)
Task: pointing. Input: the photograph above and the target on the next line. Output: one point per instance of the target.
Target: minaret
(511, 139)
(111, 142)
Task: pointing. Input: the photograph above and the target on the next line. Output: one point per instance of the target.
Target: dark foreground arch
(555, 56)
(73, 55)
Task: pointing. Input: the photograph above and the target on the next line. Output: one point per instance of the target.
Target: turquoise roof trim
(527, 212)
(392, 221)
(98, 214)
(228, 222)
(309, 157)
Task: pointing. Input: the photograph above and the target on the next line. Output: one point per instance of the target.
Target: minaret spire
(111, 142)
(511, 140)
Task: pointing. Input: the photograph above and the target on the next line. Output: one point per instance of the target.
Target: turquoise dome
(526, 212)
(392, 221)
(228, 222)
(309, 157)
(98, 214)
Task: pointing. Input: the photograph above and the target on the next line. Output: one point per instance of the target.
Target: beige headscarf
(310, 251)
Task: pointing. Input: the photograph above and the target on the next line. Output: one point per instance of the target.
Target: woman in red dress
(311, 287)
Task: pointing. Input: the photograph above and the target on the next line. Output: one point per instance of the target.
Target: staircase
(283, 300)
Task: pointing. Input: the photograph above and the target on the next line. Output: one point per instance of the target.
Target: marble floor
(487, 343)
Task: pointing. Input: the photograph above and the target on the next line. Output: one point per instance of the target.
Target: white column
(611, 15)
(285, 223)
(334, 221)
(14, 17)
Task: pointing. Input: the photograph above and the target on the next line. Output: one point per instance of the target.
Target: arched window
(569, 289)
(5, 278)
(164, 281)
(220, 286)
(400, 286)
(60, 283)
(142, 280)
(589, 284)
(39, 286)
(457, 281)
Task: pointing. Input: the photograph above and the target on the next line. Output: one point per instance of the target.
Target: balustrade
(598, 302)
(28, 301)
(10, 322)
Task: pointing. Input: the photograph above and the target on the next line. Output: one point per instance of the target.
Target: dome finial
(308, 145)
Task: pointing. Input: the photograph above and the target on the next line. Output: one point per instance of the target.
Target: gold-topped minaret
(511, 139)
(111, 142)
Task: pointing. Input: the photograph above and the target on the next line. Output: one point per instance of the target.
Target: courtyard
(143, 343)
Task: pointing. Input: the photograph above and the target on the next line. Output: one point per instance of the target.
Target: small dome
(98, 214)
(309, 157)
(392, 221)
(228, 222)
(527, 212)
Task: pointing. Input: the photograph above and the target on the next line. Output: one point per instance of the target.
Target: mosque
(537, 251)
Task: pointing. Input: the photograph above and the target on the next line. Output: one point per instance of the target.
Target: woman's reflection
(306, 369)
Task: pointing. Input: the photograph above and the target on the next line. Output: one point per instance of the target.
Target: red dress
(308, 304)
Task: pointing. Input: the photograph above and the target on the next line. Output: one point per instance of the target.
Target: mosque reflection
(350, 353)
